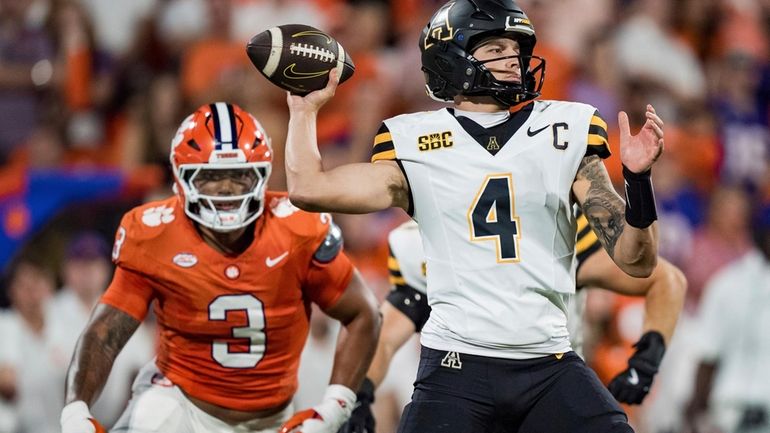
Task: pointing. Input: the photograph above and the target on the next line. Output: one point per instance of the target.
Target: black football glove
(632, 385)
(362, 420)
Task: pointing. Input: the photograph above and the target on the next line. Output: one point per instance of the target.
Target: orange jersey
(231, 327)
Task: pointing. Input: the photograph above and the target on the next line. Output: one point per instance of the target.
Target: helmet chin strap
(225, 220)
(222, 221)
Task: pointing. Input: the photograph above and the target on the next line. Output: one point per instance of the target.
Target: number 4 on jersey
(492, 217)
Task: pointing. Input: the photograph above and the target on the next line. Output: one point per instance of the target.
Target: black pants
(459, 393)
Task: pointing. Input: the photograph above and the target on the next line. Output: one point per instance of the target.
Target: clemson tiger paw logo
(282, 207)
(156, 216)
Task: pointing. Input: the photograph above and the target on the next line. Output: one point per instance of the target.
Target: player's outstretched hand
(326, 417)
(313, 101)
(632, 385)
(638, 152)
(362, 420)
(76, 418)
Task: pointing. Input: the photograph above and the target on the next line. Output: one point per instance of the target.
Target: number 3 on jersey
(492, 217)
(254, 331)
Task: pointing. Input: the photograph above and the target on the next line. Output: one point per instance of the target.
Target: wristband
(366, 391)
(343, 395)
(76, 409)
(640, 199)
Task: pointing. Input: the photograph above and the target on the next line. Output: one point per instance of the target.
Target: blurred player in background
(406, 310)
(232, 270)
(493, 190)
(33, 353)
(732, 384)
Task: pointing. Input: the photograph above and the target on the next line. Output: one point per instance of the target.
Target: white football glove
(326, 417)
(76, 418)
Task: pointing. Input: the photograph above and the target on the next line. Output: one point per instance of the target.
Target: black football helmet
(456, 29)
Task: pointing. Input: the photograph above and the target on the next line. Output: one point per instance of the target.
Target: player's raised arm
(104, 337)
(351, 188)
(627, 231)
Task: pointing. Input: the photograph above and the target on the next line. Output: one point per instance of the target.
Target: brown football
(298, 58)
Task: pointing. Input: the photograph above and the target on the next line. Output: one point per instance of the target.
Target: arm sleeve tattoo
(603, 207)
(101, 342)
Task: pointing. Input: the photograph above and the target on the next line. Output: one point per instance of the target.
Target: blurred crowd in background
(92, 91)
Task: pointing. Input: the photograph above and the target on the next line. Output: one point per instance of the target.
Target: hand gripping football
(298, 58)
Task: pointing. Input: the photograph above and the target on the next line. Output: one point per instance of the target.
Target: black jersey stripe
(587, 242)
(598, 120)
(597, 130)
(383, 147)
(597, 140)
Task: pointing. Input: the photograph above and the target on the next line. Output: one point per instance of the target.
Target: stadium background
(92, 91)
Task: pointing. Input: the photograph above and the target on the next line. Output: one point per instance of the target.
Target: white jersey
(407, 259)
(496, 222)
(407, 267)
(39, 361)
(733, 321)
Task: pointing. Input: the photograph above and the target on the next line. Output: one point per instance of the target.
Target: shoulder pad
(331, 245)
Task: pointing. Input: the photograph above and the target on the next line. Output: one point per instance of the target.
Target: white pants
(159, 406)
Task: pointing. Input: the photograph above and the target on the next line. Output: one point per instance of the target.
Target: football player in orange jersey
(232, 270)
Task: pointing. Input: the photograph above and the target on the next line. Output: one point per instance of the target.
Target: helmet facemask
(509, 93)
(224, 213)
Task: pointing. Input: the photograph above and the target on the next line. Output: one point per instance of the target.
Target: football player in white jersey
(492, 182)
(406, 310)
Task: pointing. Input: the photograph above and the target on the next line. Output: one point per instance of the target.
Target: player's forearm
(636, 252)
(355, 349)
(699, 402)
(640, 233)
(665, 299)
(380, 363)
(96, 350)
(303, 159)
(351, 188)
(397, 329)
(390, 342)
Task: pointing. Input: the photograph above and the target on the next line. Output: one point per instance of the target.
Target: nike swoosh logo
(633, 378)
(313, 33)
(291, 74)
(625, 187)
(270, 262)
(532, 133)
